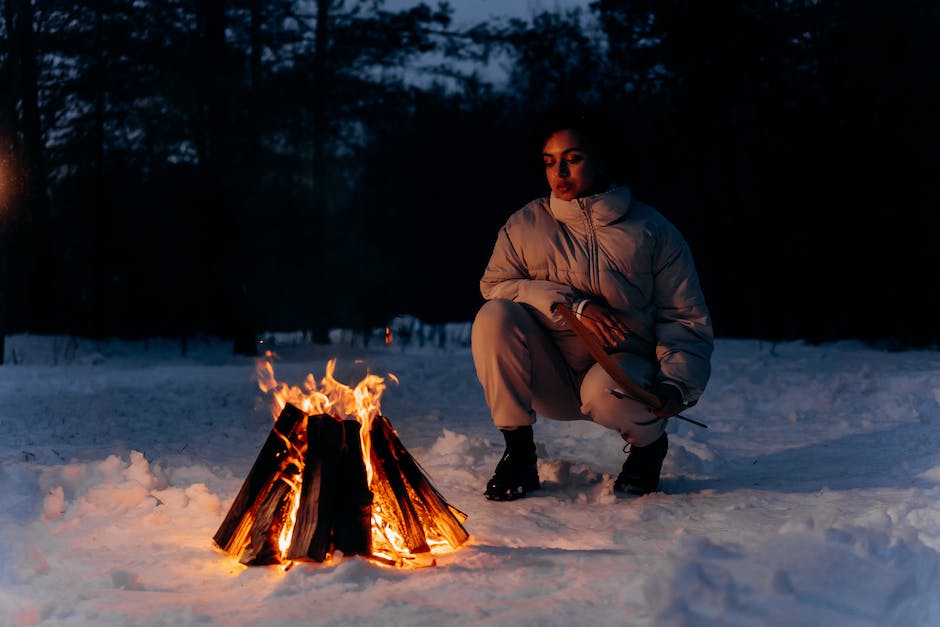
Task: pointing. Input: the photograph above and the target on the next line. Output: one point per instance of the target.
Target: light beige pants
(528, 369)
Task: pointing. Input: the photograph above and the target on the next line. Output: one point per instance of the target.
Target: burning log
(245, 521)
(313, 491)
(409, 497)
(335, 502)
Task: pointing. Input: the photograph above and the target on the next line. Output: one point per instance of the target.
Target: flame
(329, 396)
(292, 475)
(388, 335)
(362, 403)
(287, 530)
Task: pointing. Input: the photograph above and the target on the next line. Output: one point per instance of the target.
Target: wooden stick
(607, 362)
(631, 389)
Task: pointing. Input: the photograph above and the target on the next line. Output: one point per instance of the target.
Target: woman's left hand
(670, 399)
(605, 326)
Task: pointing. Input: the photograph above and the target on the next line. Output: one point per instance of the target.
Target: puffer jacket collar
(603, 208)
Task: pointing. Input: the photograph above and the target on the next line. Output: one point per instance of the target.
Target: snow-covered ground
(812, 498)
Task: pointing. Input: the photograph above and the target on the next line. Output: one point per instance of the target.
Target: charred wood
(315, 518)
(308, 494)
(433, 510)
(234, 533)
(353, 534)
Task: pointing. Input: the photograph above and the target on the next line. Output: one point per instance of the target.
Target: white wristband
(579, 307)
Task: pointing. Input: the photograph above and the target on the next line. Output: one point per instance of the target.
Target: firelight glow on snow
(813, 498)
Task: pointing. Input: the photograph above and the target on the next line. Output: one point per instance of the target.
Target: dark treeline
(228, 167)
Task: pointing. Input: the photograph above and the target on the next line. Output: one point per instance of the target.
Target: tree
(29, 298)
(200, 154)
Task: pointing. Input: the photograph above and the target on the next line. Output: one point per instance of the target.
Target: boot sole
(510, 494)
(629, 490)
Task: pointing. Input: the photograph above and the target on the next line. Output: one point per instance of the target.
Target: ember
(324, 482)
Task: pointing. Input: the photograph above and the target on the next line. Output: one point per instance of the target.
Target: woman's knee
(495, 316)
(633, 420)
(630, 418)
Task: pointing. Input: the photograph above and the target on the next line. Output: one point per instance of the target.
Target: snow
(812, 498)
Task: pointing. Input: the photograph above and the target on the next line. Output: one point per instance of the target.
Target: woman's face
(571, 169)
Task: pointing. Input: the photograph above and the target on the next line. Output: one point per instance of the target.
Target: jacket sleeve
(684, 334)
(507, 276)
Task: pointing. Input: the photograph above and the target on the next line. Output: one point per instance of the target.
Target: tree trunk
(245, 329)
(320, 82)
(318, 218)
(32, 220)
(103, 253)
(8, 77)
(7, 135)
(254, 66)
(216, 296)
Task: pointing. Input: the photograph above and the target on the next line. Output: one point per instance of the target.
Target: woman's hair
(601, 134)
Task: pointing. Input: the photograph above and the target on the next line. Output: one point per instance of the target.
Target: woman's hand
(670, 399)
(605, 326)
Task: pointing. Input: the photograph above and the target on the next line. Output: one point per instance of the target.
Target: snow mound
(871, 577)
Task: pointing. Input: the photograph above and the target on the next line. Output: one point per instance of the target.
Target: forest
(228, 167)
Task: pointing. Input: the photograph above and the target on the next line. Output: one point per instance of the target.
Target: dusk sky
(467, 13)
(472, 11)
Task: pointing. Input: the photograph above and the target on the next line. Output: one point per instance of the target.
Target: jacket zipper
(593, 253)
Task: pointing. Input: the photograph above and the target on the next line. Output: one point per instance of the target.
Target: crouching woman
(629, 275)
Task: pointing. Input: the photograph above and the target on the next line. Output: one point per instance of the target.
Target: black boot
(517, 472)
(640, 474)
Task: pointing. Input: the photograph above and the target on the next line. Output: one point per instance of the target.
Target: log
(391, 494)
(335, 510)
(433, 510)
(314, 466)
(313, 531)
(353, 532)
(234, 533)
(272, 514)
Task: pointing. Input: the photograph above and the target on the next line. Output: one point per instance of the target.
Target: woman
(629, 275)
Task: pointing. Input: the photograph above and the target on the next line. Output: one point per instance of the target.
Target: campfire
(331, 476)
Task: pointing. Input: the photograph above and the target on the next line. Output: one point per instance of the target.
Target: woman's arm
(685, 338)
(507, 276)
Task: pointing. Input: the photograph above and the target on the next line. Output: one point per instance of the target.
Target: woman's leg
(522, 366)
(631, 419)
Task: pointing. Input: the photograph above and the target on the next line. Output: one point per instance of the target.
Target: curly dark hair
(600, 132)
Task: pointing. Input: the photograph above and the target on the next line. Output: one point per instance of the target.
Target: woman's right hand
(605, 326)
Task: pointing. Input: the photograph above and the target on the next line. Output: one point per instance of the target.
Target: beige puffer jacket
(617, 252)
